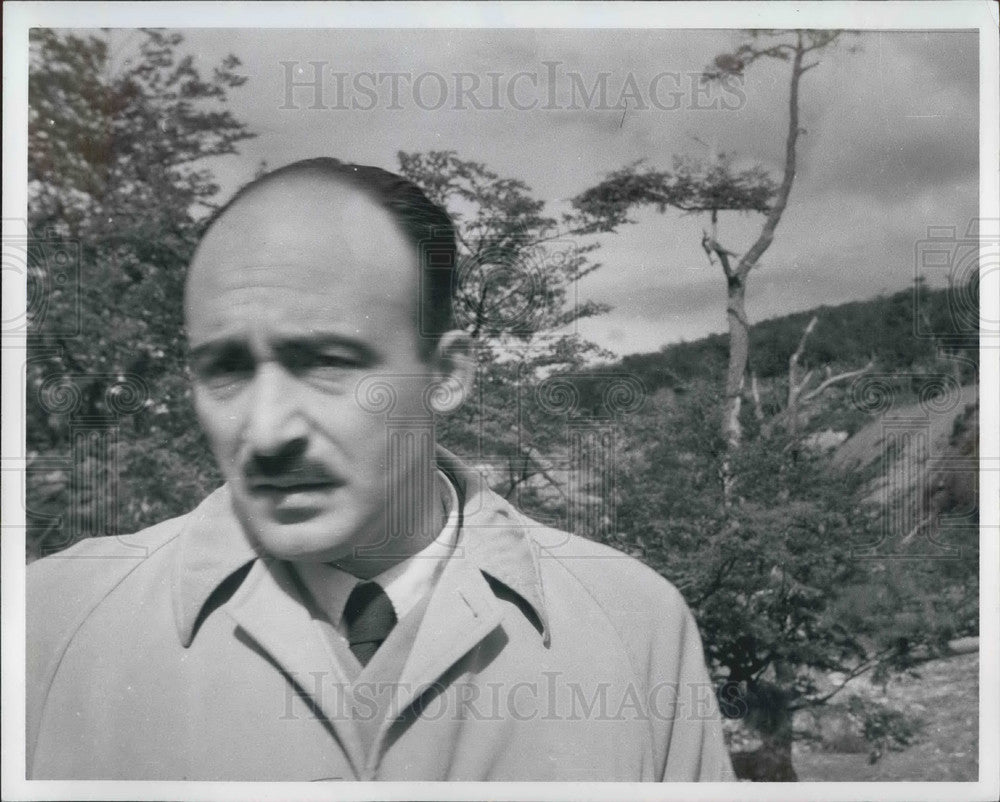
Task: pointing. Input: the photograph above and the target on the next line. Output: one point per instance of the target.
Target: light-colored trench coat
(181, 653)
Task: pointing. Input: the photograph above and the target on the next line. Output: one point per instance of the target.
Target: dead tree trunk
(798, 381)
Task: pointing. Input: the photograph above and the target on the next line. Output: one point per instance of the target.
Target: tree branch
(720, 574)
(781, 200)
(862, 668)
(830, 380)
(710, 244)
(795, 383)
(798, 381)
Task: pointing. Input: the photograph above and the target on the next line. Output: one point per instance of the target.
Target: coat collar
(212, 546)
(494, 538)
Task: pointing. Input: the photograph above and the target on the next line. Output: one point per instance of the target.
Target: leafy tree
(119, 178)
(515, 295)
(774, 580)
(767, 582)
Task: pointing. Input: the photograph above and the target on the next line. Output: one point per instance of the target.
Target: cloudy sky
(891, 145)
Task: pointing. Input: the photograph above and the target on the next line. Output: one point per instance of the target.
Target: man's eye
(323, 369)
(226, 372)
(321, 363)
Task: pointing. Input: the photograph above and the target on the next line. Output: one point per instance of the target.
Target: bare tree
(715, 187)
(799, 392)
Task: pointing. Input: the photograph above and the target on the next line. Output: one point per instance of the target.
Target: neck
(419, 524)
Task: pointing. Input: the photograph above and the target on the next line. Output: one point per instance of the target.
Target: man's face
(298, 293)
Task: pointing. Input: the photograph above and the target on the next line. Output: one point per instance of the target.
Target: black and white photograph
(501, 400)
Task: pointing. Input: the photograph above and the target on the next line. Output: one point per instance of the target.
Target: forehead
(304, 251)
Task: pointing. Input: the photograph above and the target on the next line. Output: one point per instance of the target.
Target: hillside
(938, 440)
(900, 330)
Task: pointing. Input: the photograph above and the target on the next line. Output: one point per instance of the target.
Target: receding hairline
(296, 174)
(425, 226)
(291, 176)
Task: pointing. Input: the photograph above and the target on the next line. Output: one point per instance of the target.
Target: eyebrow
(362, 351)
(304, 343)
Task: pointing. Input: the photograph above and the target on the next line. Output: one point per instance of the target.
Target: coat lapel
(270, 609)
(461, 612)
(495, 537)
(213, 545)
(463, 608)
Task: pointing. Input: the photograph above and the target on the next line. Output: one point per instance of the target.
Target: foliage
(692, 186)
(779, 594)
(760, 586)
(516, 267)
(884, 728)
(119, 166)
(771, 43)
(515, 294)
(100, 140)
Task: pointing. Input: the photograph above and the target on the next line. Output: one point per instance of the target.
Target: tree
(715, 187)
(769, 593)
(515, 295)
(800, 393)
(119, 179)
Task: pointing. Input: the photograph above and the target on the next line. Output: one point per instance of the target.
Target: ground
(946, 697)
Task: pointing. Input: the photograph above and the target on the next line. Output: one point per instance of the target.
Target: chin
(304, 543)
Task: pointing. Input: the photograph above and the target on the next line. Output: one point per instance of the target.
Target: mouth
(271, 487)
(291, 500)
(289, 491)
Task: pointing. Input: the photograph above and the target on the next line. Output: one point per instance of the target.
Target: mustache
(268, 473)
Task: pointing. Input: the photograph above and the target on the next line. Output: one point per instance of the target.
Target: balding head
(426, 227)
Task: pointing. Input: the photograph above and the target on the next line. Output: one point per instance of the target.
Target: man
(353, 603)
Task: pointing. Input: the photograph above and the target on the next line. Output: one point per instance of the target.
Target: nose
(276, 433)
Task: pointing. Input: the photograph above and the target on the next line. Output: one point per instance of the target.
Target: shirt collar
(494, 537)
(407, 582)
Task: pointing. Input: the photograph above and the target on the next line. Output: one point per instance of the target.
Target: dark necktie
(370, 617)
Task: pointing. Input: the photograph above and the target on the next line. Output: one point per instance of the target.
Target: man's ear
(454, 371)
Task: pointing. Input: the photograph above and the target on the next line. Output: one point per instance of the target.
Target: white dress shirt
(406, 583)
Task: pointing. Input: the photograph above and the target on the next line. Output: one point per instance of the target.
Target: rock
(825, 440)
(964, 645)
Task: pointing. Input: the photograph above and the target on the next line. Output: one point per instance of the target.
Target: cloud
(950, 57)
(895, 119)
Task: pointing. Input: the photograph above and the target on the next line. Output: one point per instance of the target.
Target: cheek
(355, 433)
(219, 421)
